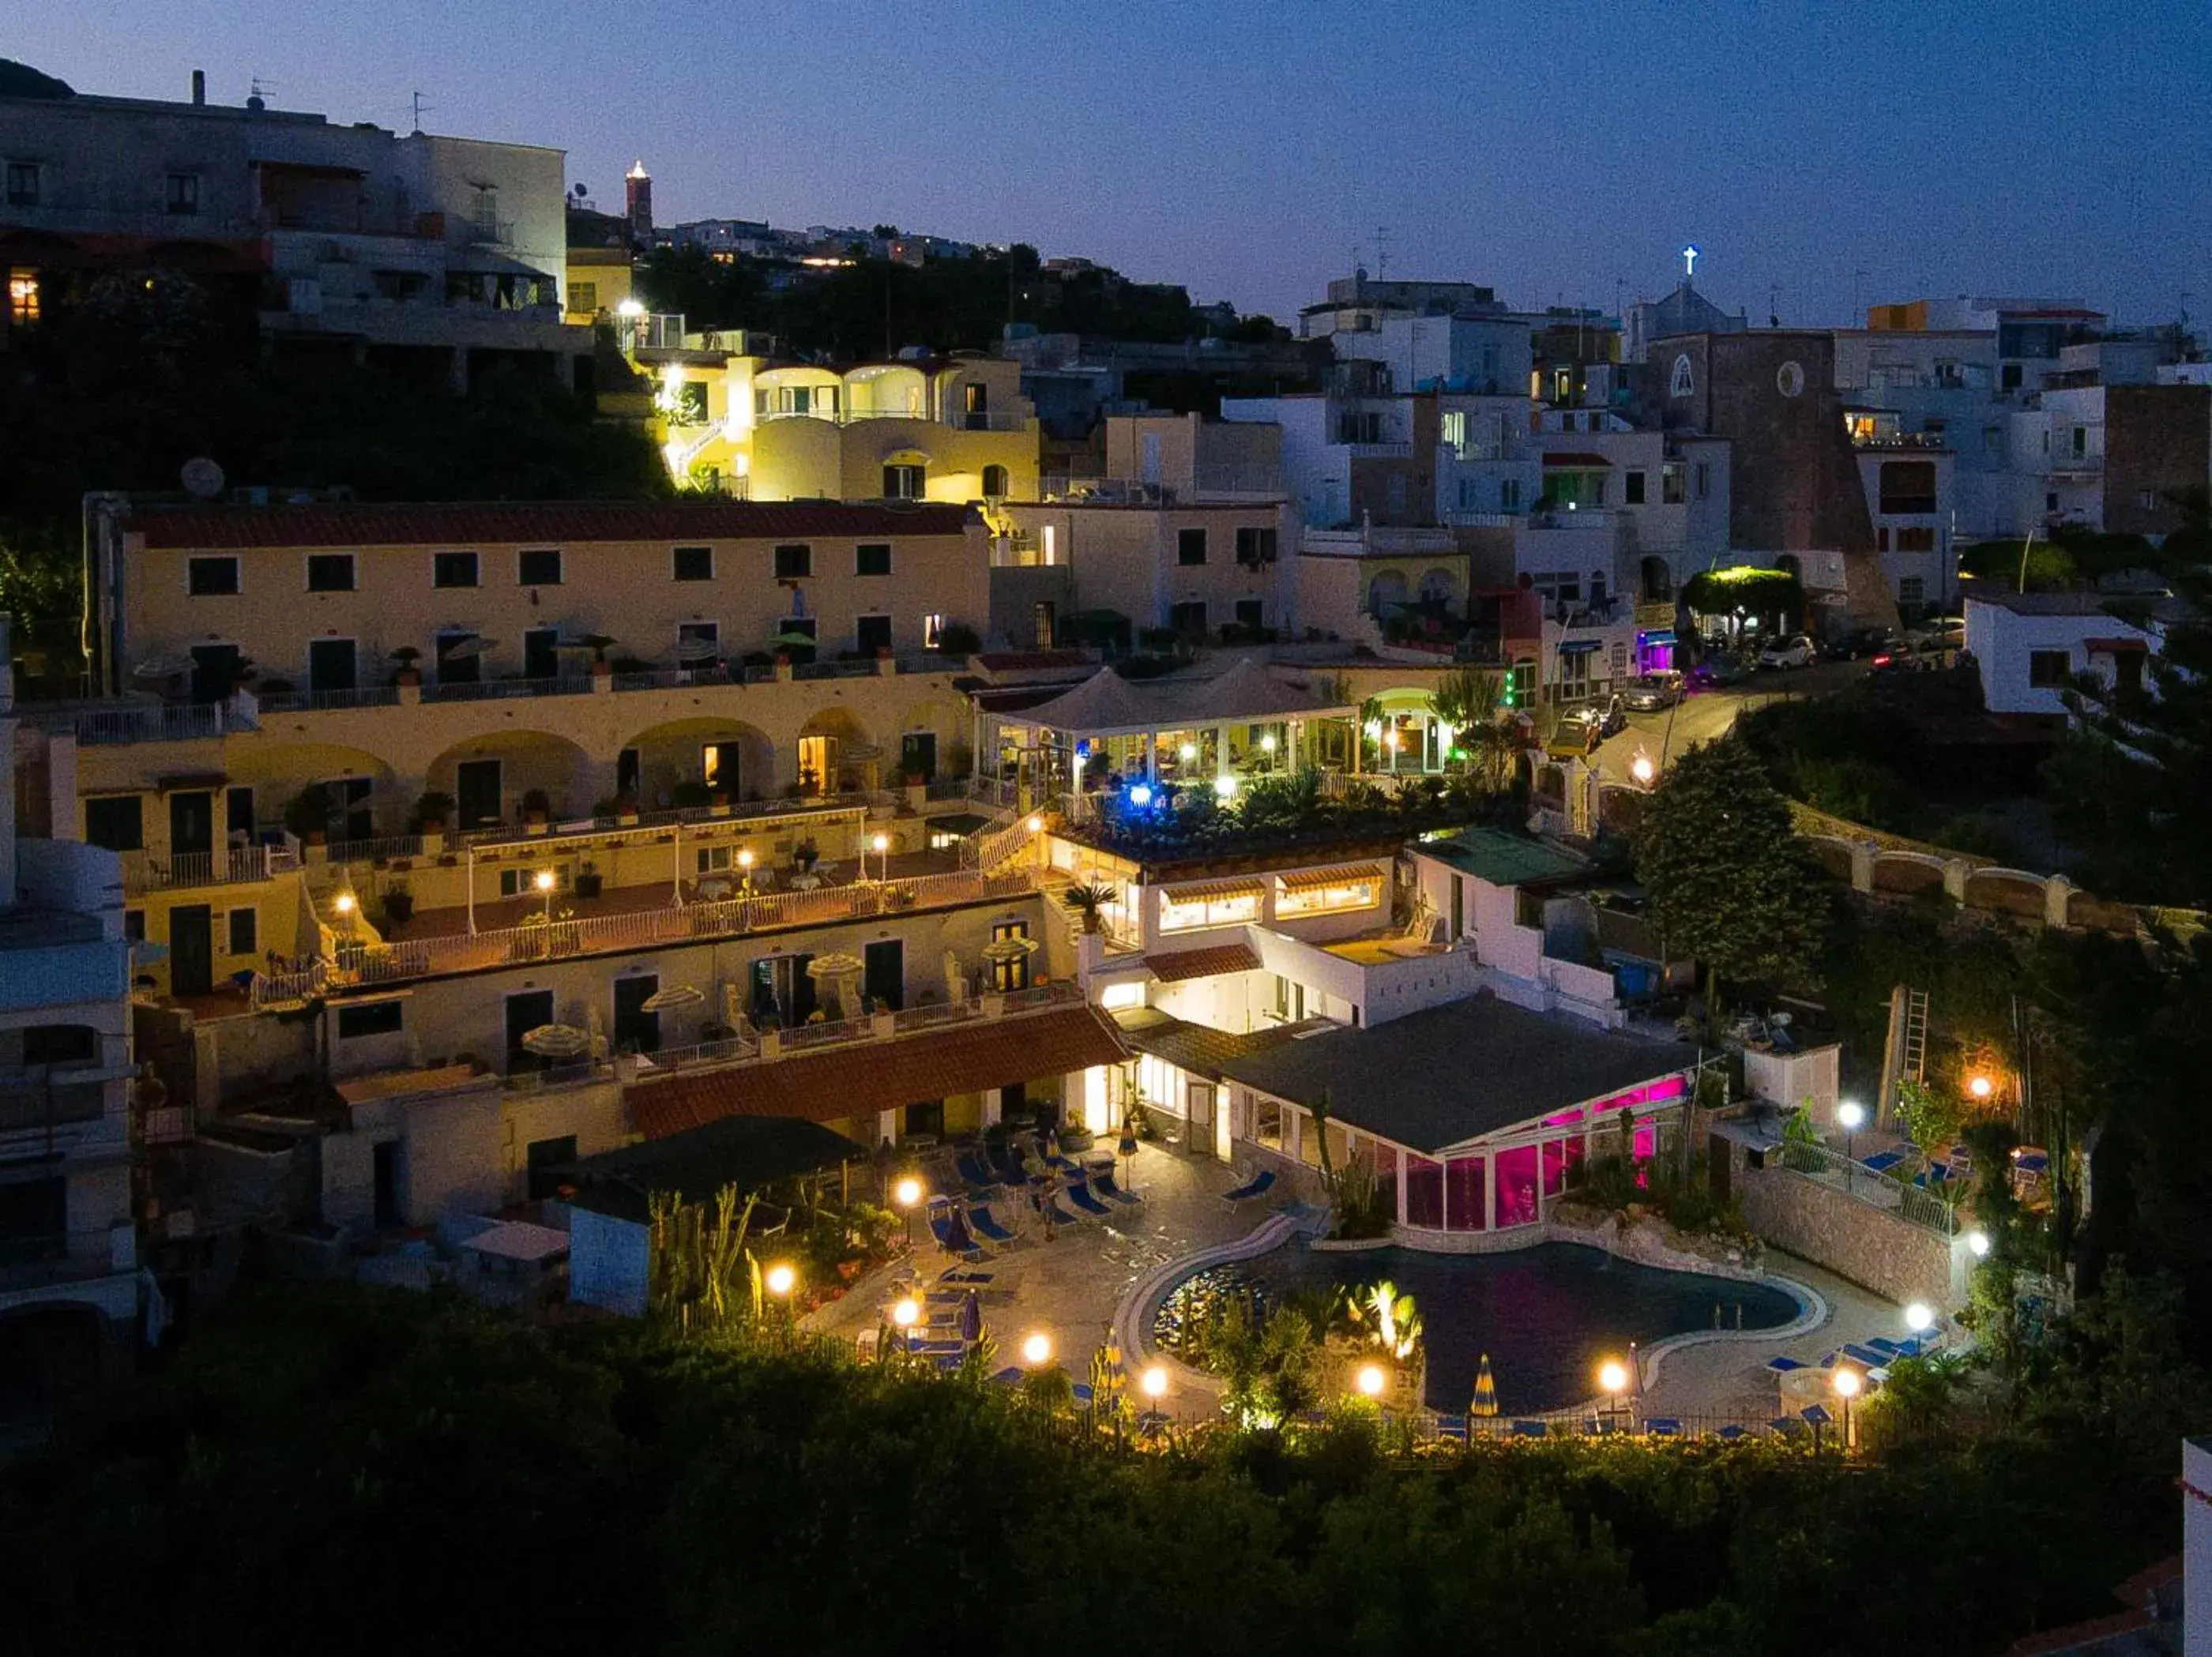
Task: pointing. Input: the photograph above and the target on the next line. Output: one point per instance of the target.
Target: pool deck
(1072, 1287)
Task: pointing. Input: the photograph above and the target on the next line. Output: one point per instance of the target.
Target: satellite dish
(202, 478)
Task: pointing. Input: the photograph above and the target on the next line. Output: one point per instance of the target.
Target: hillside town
(1089, 835)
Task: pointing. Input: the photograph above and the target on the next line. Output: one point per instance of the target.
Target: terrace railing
(234, 865)
(1884, 1191)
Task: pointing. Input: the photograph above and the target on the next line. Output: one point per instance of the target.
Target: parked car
(1584, 728)
(1860, 642)
(1720, 669)
(1792, 650)
(1653, 691)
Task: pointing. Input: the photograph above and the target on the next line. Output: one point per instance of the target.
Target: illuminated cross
(1690, 261)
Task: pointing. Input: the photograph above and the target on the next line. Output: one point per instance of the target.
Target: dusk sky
(2014, 147)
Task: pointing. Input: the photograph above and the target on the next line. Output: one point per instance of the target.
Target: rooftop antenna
(420, 107)
(1381, 252)
(255, 90)
(1774, 306)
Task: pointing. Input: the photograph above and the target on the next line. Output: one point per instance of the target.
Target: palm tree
(1464, 698)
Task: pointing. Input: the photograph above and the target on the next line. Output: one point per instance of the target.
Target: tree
(1731, 884)
(1464, 698)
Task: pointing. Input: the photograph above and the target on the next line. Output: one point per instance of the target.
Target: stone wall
(1872, 1248)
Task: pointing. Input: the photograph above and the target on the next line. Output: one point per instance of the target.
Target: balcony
(236, 865)
(994, 420)
(101, 724)
(1377, 541)
(1401, 451)
(629, 919)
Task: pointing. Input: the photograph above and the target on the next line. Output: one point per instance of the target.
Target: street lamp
(1225, 786)
(1644, 768)
(1981, 1087)
(345, 905)
(1851, 1116)
(1978, 1243)
(745, 866)
(543, 880)
(881, 845)
(1035, 825)
(780, 1280)
(906, 1193)
(907, 1313)
(1037, 1351)
(1154, 1382)
(1612, 1382)
(1847, 1385)
(1918, 1320)
(1371, 1380)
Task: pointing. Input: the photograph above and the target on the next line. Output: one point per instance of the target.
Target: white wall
(2001, 640)
(610, 1262)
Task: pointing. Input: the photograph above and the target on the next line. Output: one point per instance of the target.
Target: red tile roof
(863, 1077)
(1176, 966)
(551, 522)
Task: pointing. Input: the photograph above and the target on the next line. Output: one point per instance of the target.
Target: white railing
(296, 702)
(134, 722)
(233, 866)
(291, 988)
(993, 848)
(381, 850)
(653, 928)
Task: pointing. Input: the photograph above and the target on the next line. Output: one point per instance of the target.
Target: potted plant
(718, 801)
(589, 881)
(1088, 901)
(432, 809)
(399, 905)
(408, 673)
(689, 795)
(308, 816)
(626, 811)
(598, 642)
(805, 855)
(536, 809)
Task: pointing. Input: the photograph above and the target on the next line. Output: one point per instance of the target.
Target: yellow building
(951, 430)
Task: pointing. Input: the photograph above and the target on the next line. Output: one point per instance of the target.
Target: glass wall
(1424, 1192)
(1467, 1191)
(1516, 1187)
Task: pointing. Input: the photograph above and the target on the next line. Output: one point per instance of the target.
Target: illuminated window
(933, 631)
(583, 298)
(22, 299)
(1194, 907)
(1325, 892)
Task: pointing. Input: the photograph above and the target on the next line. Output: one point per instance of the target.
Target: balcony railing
(295, 701)
(429, 957)
(104, 723)
(990, 420)
(234, 865)
(483, 690)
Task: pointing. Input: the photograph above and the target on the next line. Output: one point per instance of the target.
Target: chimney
(199, 86)
(637, 192)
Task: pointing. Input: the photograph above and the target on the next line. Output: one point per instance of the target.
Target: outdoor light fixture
(1643, 768)
(544, 880)
(1851, 1115)
(745, 858)
(1613, 1376)
(1225, 786)
(1847, 1384)
(908, 1192)
(780, 1280)
(1978, 1244)
(1140, 795)
(1187, 752)
(1267, 742)
(906, 1313)
(1981, 1087)
(1038, 1350)
(1155, 1382)
(1371, 1380)
(1918, 1319)
(881, 845)
(342, 903)
(1035, 824)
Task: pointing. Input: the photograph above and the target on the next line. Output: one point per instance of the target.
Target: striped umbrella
(674, 999)
(556, 1040)
(1485, 1390)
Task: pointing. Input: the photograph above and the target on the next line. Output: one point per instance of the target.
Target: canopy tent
(1107, 705)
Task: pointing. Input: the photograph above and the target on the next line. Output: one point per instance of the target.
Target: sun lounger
(1882, 1161)
(980, 1221)
(1257, 1185)
(1782, 1366)
(953, 1237)
(973, 1278)
(1079, 1193)
(1867, 1355)
(1051, 1211)
(1730, 1433)
(1663, 1427)
(1816, 1415)
(1106, 1185)
(1452, 1427)
(1082, 1394)
(1531, 1429)
(1010, 1376)
(1152, 1421)
(931, 1347)
(970, 1169)
(948, 1362)
(1784, 1426)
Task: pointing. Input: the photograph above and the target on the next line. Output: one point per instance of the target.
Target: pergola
(1192, 732)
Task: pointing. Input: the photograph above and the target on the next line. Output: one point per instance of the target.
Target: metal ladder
(1915, 1052)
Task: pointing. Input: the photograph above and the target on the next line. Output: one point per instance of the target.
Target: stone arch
(277, 771)
(527, 760)
(1386, 594)
(674, 751)
(837, 753)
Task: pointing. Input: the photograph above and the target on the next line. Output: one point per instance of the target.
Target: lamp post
(881, 845)
(1918, 1320)
(1981, 1087)
(1978, 1243)
(780, 1280)
(906, 1193)
(1847, 1384)
(1851, 1116)
(543, 880)
(1371, 1380)
(1644, 768)
(1036, 1350)
(1612, 1382)
(1154, 1384)
(746, 869)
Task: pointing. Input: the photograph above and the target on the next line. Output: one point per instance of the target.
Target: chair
(1531, 1429)
(1106, 1185)
(1452, 1427)
(1257, 1185)
(1079, 1192)
(980, 1221)
(1051, 1211)
(1663, 1427)
(941, 1228)
(971, 1170)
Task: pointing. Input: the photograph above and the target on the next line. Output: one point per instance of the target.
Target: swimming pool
(1547, 1315)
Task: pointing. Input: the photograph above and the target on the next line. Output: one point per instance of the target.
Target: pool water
(1547, 1316)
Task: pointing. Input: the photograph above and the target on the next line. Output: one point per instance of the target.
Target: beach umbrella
(837, 963)
(1485, 1390)
(697, 650)
(556, 1040)
(794, 641)
(674, 999)
(462, 650)
(160, 667)
(971, 1319)
(1000, 950)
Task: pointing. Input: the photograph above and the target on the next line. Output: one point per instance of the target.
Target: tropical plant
(1088, 902)
(702, 1278)
(1388, 1319)
(537, 802)
(1464, 698)
(1361, 1210)
(430, 806)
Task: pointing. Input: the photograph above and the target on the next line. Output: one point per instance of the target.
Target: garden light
(1981, 1087)
(906, 1313)
(342, 903)
(1225, 786)
(745, 858)
(1038, 1350)
(1847, 1384)
(543, 880)
(1851, 1115)
(1918, 1319)
(1187, 752)
(1267, 742)
(1643, 768)
(1977, 1242)
(908, 1192)
(1371, 1380)
(780, 1280)
(880, 843)
(1613, 1376)
(1141, 796)
(1155, 1382)
(1035, 824)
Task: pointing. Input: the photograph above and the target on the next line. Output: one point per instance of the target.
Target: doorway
(191, 823)
(885, 979)
(216, 668)
(477, 789)
(1199, 1101)
(634, 1026)
(192, 949)
(539, 661)
(330, 664)
(817, 765)
(783, 995)
(546, 1160)
(386, 1157)
(525, 1010)
(918, 755)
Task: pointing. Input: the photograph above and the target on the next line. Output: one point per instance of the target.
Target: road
(1705, 714)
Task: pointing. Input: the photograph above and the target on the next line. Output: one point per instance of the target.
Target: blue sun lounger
(1866, 1355)
(941, 1227)
(970, 1169)
(1257, 1185)
(1730, 1433)
(1009, 1376)
(1782, 1366)
(1051, 1211)
(1882, 1161)
(1452, 1427)
(974, 1279)
(1816, 1415)
(1081, 1390)
(1531, 1429)
(1663, 1427)
(1106, 1185)
(1079, 1192)
(981, 1223)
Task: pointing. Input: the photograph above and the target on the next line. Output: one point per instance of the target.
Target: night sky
(2010, 147)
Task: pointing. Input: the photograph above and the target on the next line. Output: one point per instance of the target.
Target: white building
(2027, 646)
(68, 1245)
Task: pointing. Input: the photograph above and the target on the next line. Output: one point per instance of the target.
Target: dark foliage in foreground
(337, 1471)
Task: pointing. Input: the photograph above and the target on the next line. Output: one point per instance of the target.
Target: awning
(1213, 891)
(1575, 646)
(1180, 966)
(1578, 462)
(1314, 880)
(1663, 636)
(2114, 647)
(859, 1078)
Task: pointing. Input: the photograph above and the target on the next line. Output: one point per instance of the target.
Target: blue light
(1083, 749)
(1141, 796)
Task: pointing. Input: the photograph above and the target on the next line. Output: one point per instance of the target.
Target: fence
(1883, 1191)
(234, 865)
